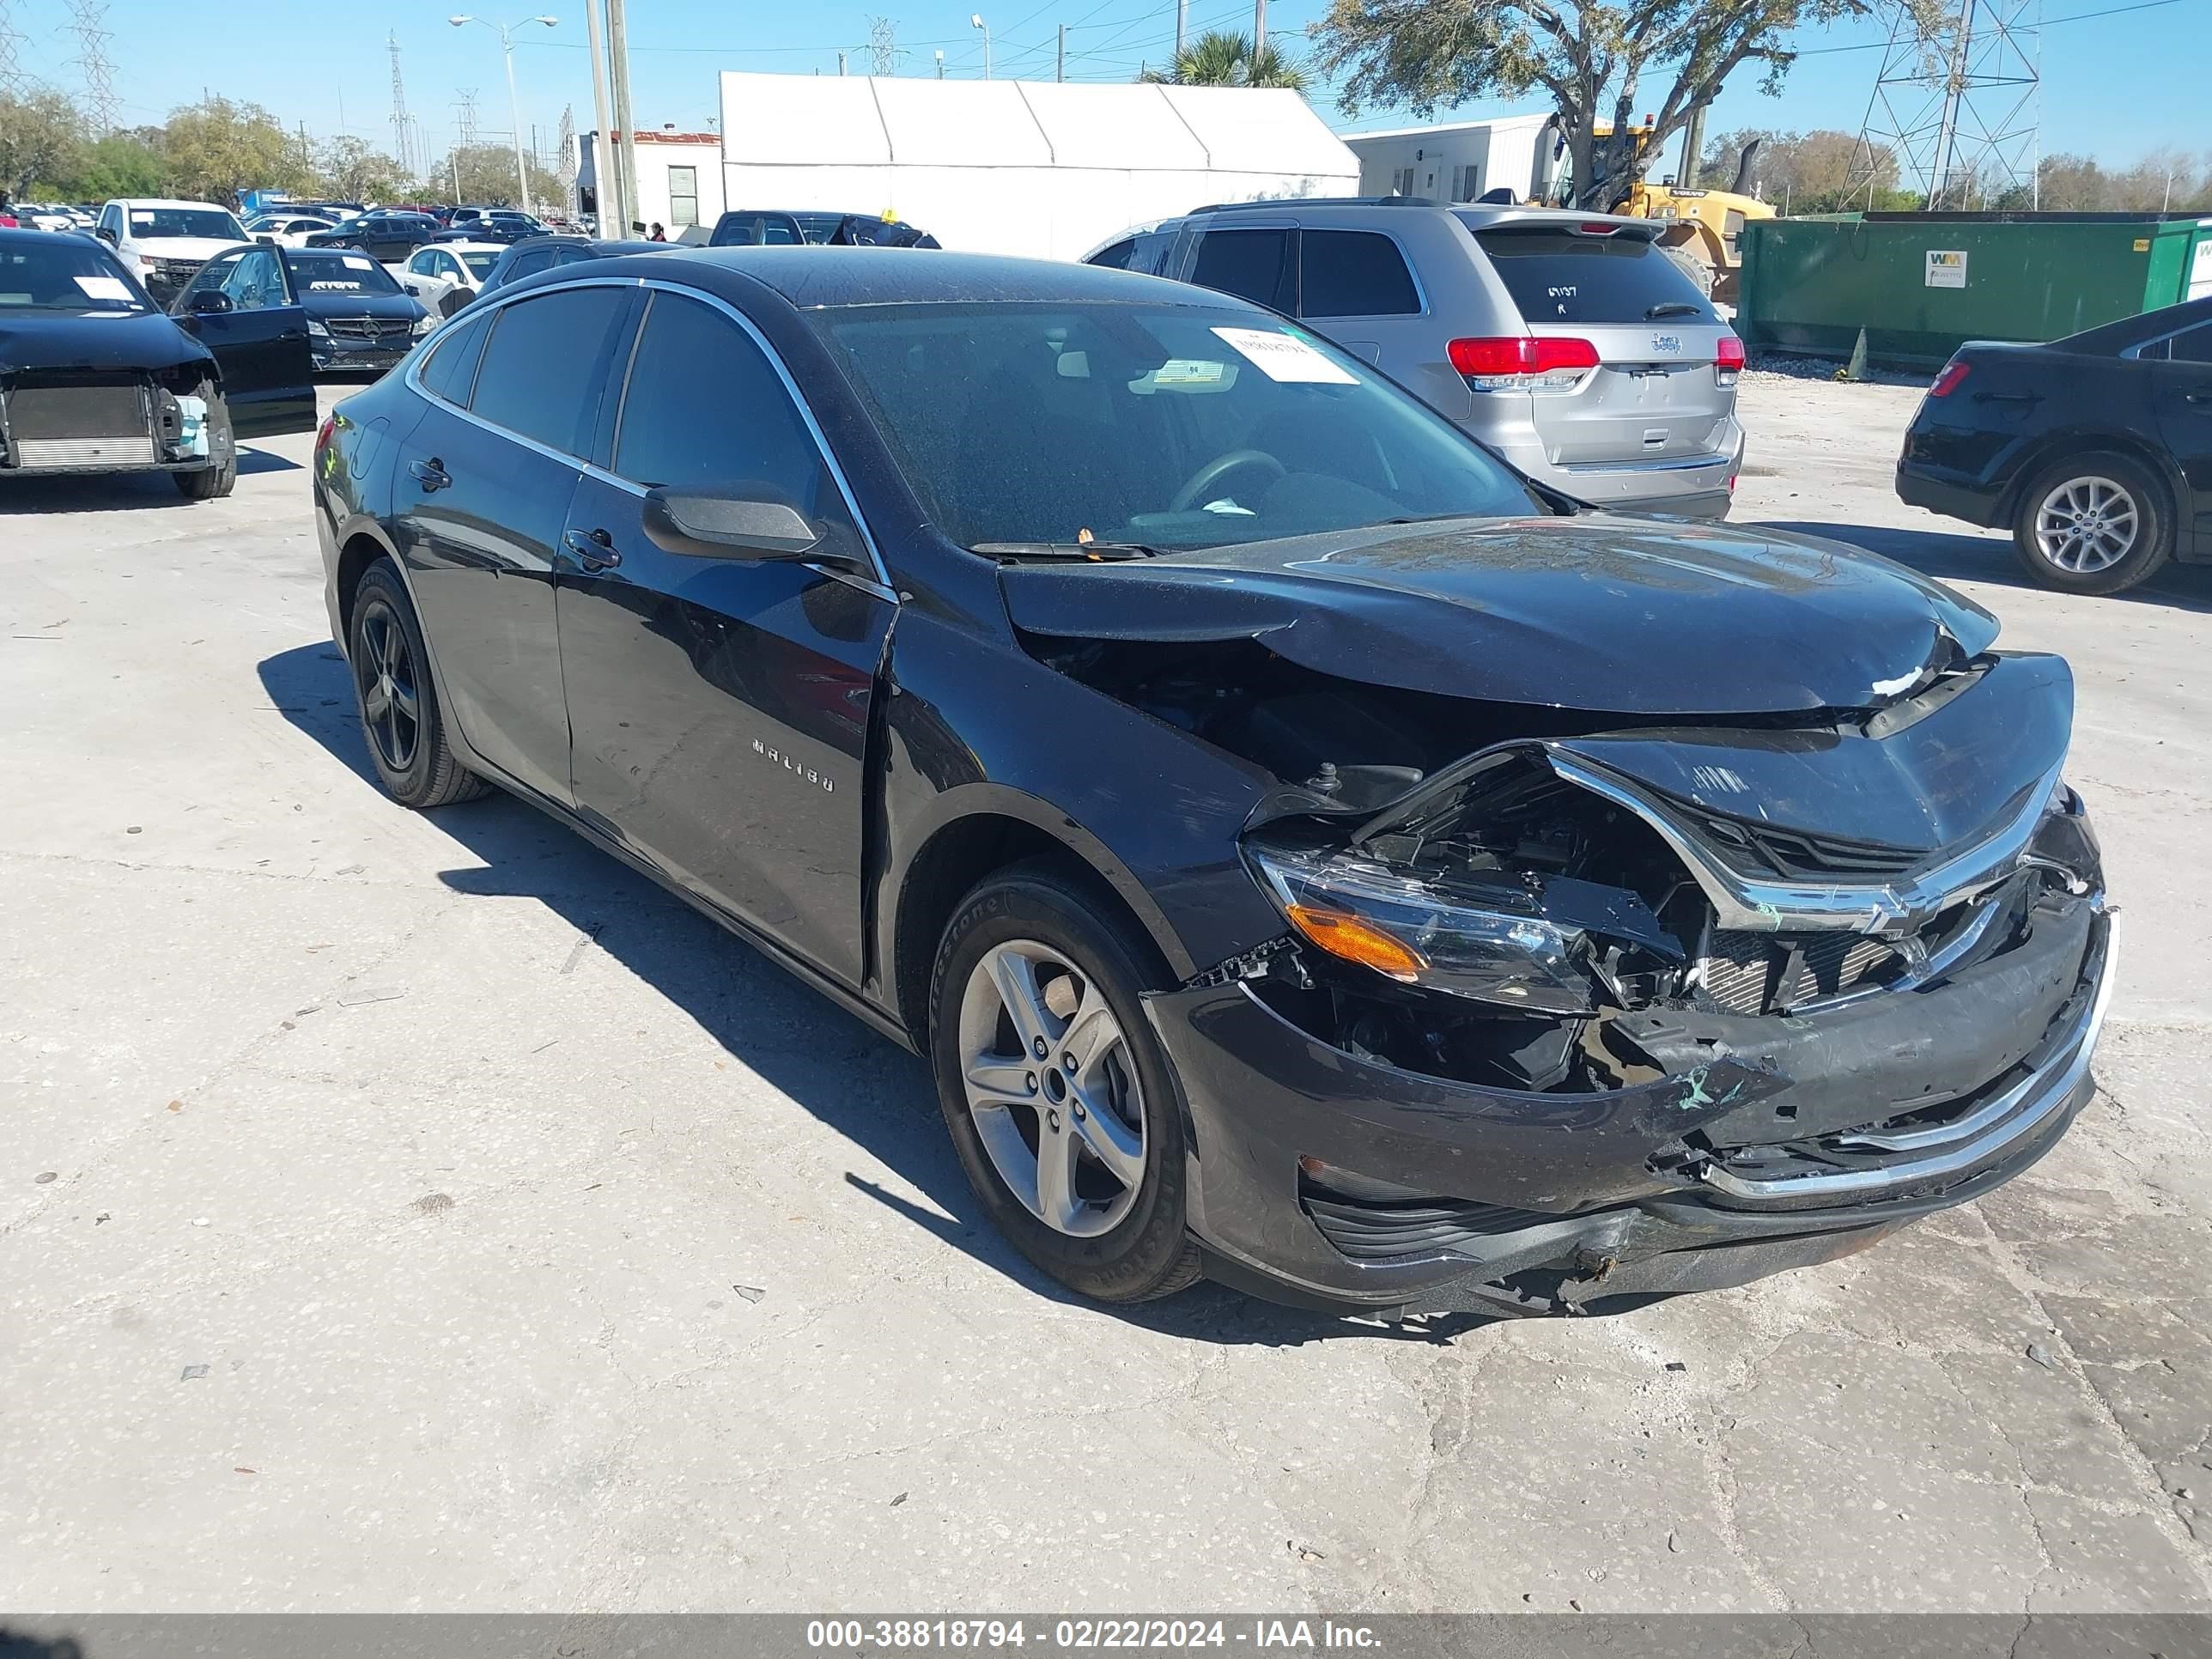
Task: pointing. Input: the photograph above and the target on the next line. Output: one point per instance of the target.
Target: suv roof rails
(1319, 201)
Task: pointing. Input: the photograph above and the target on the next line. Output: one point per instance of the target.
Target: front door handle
(431, 474)
(2008, 397)
(594, 549)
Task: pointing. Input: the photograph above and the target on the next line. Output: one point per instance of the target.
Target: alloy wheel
(2087, 524)
(1051, 1088)
(390, 705)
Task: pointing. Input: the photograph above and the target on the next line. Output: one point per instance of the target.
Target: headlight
(316, 331)
(1518, 946)
(424, 324)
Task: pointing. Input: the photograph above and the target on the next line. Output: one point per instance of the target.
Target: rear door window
(1253, 264)
(1116, 258)
(1556, 276)
(1353, 273)
(542, 366)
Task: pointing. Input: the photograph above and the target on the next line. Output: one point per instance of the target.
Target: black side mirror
(208, 301)
(726, 524)
(106, 234)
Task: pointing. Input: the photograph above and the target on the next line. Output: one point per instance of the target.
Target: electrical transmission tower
(1956, 103)
(567, 158)
(13, 80)
(883, 53)
(403, 132)
(103, 109)
(465, 117)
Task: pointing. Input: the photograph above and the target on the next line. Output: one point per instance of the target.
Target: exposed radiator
(137, 451)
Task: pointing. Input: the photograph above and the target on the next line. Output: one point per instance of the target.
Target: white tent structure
(1018, 166)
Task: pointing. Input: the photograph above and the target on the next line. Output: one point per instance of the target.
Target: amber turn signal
(1355, 940)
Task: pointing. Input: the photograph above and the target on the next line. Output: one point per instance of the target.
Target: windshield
(155, 222)
(64, 275)
(335, 270)
(1167, 425)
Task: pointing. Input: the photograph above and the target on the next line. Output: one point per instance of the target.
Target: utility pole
(1259, 28)
(625, 132)
(1183, 22)
(1059, 62)
(605, 184)
(940, 63)
(840, 66)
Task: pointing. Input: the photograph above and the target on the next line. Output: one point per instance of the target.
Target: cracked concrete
(545, 1249)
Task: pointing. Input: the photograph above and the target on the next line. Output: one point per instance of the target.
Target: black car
(546, 253)
(2096, 451)
(1309, 854)
(496, 225)
(356, 318)
(96, 377)
(387, 238)
(774, 228)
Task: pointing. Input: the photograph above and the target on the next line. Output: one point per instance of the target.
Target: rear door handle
(594, 549)
(431, 474)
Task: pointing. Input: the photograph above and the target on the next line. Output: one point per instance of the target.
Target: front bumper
(1712, 1175)
(342, 356)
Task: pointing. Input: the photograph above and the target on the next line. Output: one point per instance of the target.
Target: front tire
(1060, 1101)
(400, 718)
(2092, 524)
(220, 477)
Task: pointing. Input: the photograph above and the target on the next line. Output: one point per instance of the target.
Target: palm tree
(1222, 58)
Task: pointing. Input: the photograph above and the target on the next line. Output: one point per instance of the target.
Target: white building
(1018, 166)
(1461, 161)
(679, 180)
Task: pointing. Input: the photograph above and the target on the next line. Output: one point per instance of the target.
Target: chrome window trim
(880, 586)
(2133, 353)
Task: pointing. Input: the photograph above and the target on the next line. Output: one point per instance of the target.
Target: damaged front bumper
(1326, 1178)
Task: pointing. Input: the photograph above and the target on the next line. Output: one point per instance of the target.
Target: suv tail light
(1948, 381)
(1522, 362)
(1728, 359)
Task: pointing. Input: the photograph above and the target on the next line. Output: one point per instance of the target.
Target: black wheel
(400, 712)
(1059, 1100)
(220, 477)
(2094, 524)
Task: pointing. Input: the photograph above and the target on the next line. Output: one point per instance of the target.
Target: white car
(36, 216)
(164, 242)
(447, 275)
(290, 229)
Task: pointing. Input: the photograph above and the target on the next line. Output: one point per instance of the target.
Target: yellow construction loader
(1704, 225)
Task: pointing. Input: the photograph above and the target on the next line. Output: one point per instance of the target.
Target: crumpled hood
(95, 339)
(1622, 615)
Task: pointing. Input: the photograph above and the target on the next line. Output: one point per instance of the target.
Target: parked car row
(1405, 885)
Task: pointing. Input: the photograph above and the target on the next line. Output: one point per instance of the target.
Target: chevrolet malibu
(1310, 854)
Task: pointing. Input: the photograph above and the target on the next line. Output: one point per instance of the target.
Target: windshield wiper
(1672, 308)
(1098, 550)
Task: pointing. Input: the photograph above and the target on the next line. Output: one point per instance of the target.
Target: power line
(2048, 22)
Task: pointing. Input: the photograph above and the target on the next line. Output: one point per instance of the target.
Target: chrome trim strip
(1668, 464)
(882, 584)
(1899, 905)
(2055, 1091)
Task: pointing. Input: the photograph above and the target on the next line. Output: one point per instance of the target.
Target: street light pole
(506, 32)
(976, 21)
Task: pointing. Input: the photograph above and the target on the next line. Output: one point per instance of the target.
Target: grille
(86, 452)
(175, 273)
(1792, 853)
(1745, 973)
(369, 328)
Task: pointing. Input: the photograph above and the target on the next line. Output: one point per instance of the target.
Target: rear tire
(401, 718)
(1098, 1145)
(220, 478)
(2096, 523)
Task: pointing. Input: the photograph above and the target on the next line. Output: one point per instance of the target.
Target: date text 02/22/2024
(1084, 1635)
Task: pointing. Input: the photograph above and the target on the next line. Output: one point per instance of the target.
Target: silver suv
(1567, 342)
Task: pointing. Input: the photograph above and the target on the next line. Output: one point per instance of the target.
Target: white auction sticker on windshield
(359, 262)
(103, 288)
(1281, 356)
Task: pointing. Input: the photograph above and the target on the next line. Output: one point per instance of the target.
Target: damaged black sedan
(1310, 855)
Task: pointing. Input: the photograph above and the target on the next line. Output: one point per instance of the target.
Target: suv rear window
(1556, 276)
(1353, 273)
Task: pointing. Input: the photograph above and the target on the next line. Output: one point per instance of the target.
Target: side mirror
(725, 524)
(106, 234)
(208, 301)
(266, 240)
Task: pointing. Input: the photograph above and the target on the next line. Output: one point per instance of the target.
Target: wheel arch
(2097, 441)
(981, 828)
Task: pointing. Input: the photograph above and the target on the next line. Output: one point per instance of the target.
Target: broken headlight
(1490, 942)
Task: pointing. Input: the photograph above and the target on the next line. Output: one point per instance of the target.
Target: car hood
(1621, 615)
(331, 304)
(95, 339)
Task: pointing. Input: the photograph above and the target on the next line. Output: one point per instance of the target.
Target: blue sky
(2115, 85)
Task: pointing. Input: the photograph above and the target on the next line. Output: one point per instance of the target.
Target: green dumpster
(1920, 284)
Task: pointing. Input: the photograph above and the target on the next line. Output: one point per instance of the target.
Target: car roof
(473, 247)
(165, 202)
(811, 276)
